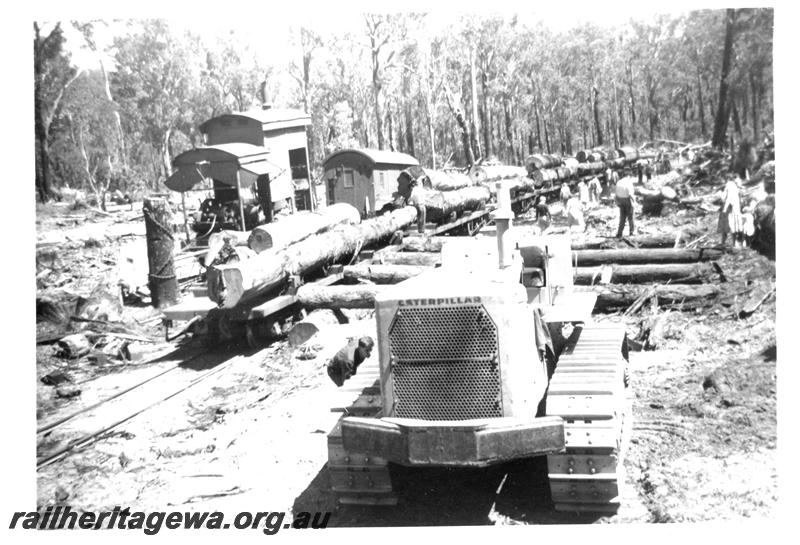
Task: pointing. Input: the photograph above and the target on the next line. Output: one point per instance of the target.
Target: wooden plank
(189, 308)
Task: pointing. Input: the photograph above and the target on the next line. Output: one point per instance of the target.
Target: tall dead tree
(466, 137)
(723, 105)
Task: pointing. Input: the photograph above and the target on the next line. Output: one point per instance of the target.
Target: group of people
(588, 194)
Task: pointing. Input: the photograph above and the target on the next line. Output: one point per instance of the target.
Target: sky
(269, 29)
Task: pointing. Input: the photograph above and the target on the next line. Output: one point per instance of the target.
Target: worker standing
(564, 194)
(583, 192)
(594, 190)
(417, 200)
(730, 214)
(624, 196)
(543, 217)
(574, 213)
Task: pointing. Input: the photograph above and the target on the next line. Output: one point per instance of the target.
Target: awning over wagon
(224, 162)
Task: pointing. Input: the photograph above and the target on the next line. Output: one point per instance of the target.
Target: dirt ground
(252, 436)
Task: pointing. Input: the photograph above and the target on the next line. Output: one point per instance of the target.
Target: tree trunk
(390, 126)
(447, 181)
(441, 206)
(610, 297)
(666, 240)
(618, 296)
(409, 128)
(620, 140)
(737, 124)
(466, 139)
(165, 157)
(337, 297)
(721, 120)
(300, 225)
(632, 96)
(675, 273)
(476, 126)
(485, 122)
(390, 256)
(585, 258)
(376, 91)
(228, 285)
(160, 245)
(755, 107)
(596, 112)
(383, 274)
(700, 108)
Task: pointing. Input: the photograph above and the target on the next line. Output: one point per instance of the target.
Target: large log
(337, 297)
(617, 296)
(630, 154)
(586, 258)
(590, 168)
(675, 273)
(440, 206)
(543, 176)
(664, 240)
(447, 181)
(382, 274)
(228, 285)
(390, 256)
(609, 297)
(300, 225)
(163, 282)
(539, 161)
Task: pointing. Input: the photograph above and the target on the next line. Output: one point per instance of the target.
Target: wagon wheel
(252, 336)
(474, 226)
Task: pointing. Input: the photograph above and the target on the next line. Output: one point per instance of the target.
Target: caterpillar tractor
(491, 357)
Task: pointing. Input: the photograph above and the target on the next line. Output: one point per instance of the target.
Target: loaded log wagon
(252, 165)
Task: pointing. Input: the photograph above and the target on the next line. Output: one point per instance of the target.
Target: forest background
(114, 118)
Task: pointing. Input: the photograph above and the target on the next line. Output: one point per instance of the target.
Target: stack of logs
(546, 169)
(654, 267)
(299, 248)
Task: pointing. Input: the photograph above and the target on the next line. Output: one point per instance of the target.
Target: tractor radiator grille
(444, 363)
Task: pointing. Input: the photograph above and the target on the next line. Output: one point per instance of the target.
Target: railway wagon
(365, 178)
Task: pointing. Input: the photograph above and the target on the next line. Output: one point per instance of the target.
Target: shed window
(348, 179)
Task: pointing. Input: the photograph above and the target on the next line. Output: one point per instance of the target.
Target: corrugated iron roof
(279, 117)
(379, 156)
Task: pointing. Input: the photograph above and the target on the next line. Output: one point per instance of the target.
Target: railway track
(61, 436)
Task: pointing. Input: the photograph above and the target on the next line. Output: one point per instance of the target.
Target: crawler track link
(588, 390)
(357, 479)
